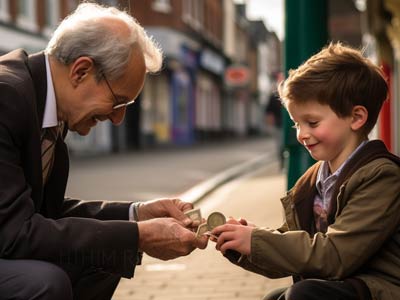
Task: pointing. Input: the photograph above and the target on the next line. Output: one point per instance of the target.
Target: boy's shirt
(325, 186)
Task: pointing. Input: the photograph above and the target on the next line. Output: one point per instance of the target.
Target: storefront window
(163, 6)
(4, 10)
(52, 15)
(26, 16)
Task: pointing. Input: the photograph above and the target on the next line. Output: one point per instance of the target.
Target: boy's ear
(359, 116)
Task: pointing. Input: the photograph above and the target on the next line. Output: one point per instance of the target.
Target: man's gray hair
(83, 33)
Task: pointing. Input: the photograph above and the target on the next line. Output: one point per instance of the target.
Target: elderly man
(53, 247)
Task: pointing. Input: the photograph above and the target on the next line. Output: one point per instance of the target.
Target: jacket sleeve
(245, 262)
(97, 209)
(27, 234)
(369, 218)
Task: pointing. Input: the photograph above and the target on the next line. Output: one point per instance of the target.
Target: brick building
(189, 100)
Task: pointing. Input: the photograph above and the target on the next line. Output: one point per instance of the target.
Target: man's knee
(38, 280)
(54, 283)
(301, 290)
(316, 289)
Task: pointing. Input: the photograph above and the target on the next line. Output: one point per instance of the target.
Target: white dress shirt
(50, 109)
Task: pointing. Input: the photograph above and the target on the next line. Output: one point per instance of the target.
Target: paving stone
(206, 274)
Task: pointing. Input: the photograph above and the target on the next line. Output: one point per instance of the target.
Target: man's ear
(359, 116)
(80, 69)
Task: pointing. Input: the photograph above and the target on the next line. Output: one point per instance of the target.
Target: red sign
(237, 76)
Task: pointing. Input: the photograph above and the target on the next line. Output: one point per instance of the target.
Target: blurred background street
(222, 63)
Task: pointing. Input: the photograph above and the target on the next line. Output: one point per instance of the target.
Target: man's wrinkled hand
(167, 238)
(165, 207)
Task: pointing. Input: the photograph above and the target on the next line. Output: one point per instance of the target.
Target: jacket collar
(372, 150)
(303, 194)
(304, 191)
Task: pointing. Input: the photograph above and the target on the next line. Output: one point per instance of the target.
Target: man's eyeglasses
(116, 104)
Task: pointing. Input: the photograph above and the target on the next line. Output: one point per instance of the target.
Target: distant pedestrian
(273, 113)
(273, 120)
(340, 239)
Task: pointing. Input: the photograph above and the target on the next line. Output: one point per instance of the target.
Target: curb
(201, 190)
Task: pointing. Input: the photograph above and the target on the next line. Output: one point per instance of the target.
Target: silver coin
(202, 229)
(215, 219)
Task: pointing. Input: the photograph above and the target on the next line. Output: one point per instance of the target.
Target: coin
(194, 215)
(203, 228)
(215, 219)
(208, 233)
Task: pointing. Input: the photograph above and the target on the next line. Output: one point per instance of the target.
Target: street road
(156, 173)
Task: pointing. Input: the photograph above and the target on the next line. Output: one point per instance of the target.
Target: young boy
(340, 239)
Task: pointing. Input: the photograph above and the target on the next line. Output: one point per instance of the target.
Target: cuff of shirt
(133, 211)
(133, 216)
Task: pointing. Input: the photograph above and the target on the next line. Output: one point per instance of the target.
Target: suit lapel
(55, 187)
(37, 67)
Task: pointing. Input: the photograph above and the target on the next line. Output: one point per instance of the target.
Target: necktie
(49, 137)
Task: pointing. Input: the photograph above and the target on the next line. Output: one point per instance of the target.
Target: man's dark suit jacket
(40, 223)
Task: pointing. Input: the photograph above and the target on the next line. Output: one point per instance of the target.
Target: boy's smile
(310, 147)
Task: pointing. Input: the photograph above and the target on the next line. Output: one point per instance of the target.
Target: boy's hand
(240, 221)
(233, 236)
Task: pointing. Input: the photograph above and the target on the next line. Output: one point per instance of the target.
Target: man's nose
(117, 116)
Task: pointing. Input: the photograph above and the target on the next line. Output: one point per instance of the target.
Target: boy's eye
(313, 124)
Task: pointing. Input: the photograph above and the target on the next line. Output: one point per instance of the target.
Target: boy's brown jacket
(363, 239)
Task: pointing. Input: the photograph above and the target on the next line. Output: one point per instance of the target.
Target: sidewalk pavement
(206, 274)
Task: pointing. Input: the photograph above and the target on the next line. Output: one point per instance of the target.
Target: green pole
(305, 34)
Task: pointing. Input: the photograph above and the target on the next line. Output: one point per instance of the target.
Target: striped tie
(49, 137)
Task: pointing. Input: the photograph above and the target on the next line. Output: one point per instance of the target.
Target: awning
(393, 27)
(379, 21)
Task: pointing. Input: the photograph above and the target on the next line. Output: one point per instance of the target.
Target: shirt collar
(50, 110)
(324, 173)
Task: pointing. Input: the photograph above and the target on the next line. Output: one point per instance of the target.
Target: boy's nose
(302, 135)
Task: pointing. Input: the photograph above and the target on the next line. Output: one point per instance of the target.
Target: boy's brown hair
(340, 77)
